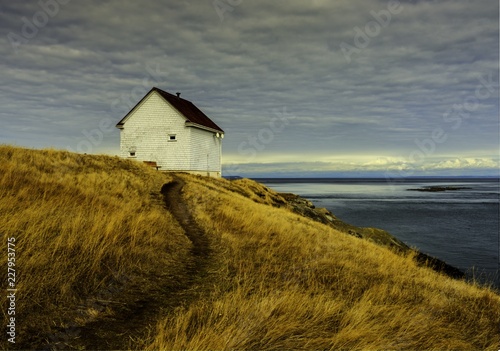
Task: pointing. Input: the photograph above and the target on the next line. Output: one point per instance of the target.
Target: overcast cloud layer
(334, 87)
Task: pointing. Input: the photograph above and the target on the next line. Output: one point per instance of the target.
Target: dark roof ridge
(185, 107)
(188, 110)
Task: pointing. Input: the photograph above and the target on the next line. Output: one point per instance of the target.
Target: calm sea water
(460, 227)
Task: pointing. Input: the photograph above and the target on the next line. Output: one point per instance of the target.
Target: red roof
(192, 113)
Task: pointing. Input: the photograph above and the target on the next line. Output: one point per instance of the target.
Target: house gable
(193, 115)
(157, 131)
(147, 133)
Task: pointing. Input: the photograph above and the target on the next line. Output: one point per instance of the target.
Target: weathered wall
(205, 151)
(147, 131)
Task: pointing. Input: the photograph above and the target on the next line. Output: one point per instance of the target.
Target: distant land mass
(439, 188)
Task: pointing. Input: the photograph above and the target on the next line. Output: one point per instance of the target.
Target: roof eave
(199, 126)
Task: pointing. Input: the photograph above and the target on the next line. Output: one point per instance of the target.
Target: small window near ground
(132, 154)
(172, 137)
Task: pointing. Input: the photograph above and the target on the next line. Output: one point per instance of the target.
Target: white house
(172, 134)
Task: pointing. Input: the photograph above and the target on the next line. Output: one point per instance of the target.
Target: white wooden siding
(147, 130)
(205, 151)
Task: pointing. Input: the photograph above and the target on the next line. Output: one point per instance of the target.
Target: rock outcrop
(297, 204)
(306, 208)
(381, 237)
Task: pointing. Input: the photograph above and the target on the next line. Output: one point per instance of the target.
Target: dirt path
(179, 209)
(136, 313)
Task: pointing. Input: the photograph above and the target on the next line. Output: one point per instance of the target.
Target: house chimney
(178, 94)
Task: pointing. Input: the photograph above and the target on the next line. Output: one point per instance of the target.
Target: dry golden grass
(290, 283)
(276, 281)
(81, 224)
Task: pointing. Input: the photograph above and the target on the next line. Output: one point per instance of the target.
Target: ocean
(460, 227)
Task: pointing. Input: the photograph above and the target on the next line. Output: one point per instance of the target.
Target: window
(131, 151)
(172, 137)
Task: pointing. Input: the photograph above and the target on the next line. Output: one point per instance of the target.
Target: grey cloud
(378, 167)
(263, 56)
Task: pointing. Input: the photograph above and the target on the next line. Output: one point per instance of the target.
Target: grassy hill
(112, 254)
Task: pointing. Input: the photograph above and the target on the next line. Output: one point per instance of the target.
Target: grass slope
(92, 234)
(88, 230)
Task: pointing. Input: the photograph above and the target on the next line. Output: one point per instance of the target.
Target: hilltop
(111, 254)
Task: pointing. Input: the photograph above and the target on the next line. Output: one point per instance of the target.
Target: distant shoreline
(374, 179)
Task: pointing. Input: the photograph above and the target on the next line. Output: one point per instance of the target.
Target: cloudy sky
(301, 88)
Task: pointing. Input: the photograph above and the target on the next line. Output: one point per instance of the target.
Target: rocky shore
(297, 204)
(381, 237)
